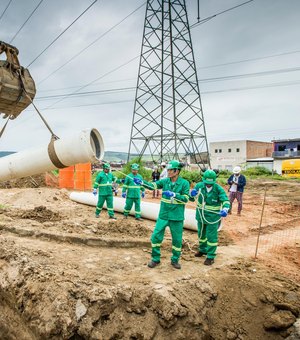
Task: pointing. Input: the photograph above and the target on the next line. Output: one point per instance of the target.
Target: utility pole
(168, 119)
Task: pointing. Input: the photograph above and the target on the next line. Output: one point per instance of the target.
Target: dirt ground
(66, 275)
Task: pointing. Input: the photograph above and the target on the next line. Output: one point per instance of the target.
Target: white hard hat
(163, 164)
(237, 169)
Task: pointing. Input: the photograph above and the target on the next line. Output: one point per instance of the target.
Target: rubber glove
(194, 192)
(143, 194)
(94, 192)
(224, 212)
(124, 194)
(137, 181)
(169, 193)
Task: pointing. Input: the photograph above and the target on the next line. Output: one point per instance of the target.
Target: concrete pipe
(86, 146)
(149, 210)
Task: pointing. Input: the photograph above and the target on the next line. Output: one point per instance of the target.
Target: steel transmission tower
(168, 118)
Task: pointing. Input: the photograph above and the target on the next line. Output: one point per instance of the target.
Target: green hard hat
(106, 166)
(209, 177)
(135, 166)
(174, 165)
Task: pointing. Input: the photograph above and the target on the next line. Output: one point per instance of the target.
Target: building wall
(259, 149)
(277, 166)
(226, 155)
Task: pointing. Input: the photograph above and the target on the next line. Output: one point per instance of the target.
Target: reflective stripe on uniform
(109, 209)
(212, 244)
(133, 187)
(209, 207)
(176, 249)
(99, 209)
(153, 245)
(202, 240)
(226, 202)
(126, 211)
(171, 201)
(104, 185)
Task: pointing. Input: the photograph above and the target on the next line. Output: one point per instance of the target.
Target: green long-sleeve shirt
(132, 190)
(212, 201)
(172, 208)
(104, 182)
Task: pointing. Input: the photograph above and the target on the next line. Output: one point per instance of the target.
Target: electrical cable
(219, 13)
(37, 6)
(89, 45)
(1, 16)
(64, 31)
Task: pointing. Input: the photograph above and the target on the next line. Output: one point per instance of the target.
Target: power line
(1, 16)
(206, 80)
(213, 16)
(92, 43)
(26, 21)
(201, 67)
(250, 59)
(45, 49)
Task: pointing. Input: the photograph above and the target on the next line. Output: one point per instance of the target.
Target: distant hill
(115, 156)
(5, 153)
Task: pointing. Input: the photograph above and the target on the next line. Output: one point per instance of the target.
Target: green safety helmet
(106, 166)
(174, 165)
(209, 177)
(135, 166)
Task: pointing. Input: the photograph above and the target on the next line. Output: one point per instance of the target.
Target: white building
(226, 155)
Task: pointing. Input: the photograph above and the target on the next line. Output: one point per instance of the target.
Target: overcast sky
(261, 38)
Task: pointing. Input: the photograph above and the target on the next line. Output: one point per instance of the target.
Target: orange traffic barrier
(66, 178)
(83, 176)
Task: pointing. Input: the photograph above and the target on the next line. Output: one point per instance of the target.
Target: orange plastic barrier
(83, 176)
(66, 177)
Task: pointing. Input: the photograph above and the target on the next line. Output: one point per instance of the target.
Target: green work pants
(176, 228)
(109, 204)
(137, 206)
(208, 238)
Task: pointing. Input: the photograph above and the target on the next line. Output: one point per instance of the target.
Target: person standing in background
(237, 183)
(155, 178)
(164, 172)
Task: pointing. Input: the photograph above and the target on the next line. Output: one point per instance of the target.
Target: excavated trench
(64, 275)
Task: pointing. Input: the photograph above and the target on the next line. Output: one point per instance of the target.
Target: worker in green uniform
(212, 205)
(132, 192)
(175, 194)
(103, 184)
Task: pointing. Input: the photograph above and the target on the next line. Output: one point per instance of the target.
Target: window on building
(237, 149)
(216, 150)
(220, 150)
(229, 150)
(298, 147)
(281, 147)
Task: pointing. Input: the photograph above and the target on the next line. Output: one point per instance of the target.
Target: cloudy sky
(247, 61)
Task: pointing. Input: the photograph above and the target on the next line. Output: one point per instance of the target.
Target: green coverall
(171, 214)
(208, 206)
(104, 185)
(133, 194)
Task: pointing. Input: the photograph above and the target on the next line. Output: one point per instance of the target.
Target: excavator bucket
(17, 88)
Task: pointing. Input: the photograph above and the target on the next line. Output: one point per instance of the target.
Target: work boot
(199, 254)
(139, 219)
(96, 215)
(229, 212)
(153, 264)
(209, 262)
(176, 265)
(125, 217)
(112, 217)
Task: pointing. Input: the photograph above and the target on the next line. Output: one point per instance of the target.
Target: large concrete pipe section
(149, 210)
(86, 146)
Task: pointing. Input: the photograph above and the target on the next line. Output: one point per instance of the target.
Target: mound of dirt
(26, 182)
(40, 214)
